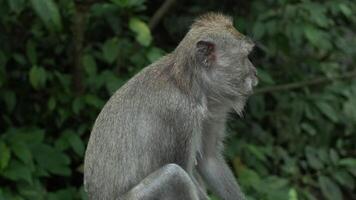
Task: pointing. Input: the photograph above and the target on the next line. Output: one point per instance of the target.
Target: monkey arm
(220, 178)
(211, 164)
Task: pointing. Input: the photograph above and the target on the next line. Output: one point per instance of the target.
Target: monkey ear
(205, 52)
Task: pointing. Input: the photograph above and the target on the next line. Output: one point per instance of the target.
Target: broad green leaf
(76, 143)
(22, 151)
(345, 9)
(154, 54)
(248, 177)
(344, 178)
(78, 105)
(4, 155)
(110, 50)
(18, 171)
(33, 191)
(37, 77)
(350, 109)
(52, 160)
(313, 159)
(9, 98)
(265, 77)
(308, 128)
(313, 34)
(20, 59)
(48, 12)
(330, 190)
(17, 6)
(328, 111)
(293, 195)
(29, 136)
(277, 194)
(258, 30)
(348, 162)
(93, 100)
(128, 3)
(63, 194)
(111, 81)
(334, 156)
(255, 151)
(143, 33)
(317, 37)
(275, 183)
(90, 64)
(51, 104)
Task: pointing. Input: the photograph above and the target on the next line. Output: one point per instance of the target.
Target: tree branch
(79, 21)
(301, 84)
(160, 13)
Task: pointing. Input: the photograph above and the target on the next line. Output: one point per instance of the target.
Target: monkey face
(238, 71)
(227, 71)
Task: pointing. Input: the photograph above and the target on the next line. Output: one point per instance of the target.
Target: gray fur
(173, 113)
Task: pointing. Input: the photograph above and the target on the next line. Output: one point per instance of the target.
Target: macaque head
(221, 52)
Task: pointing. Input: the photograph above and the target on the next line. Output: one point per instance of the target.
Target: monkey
(160, 136)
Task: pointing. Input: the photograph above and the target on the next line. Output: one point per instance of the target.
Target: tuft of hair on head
(212, 19)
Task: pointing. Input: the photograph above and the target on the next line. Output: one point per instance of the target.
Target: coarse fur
(174, 111)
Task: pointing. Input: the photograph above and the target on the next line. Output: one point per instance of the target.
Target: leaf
(48, 12)
(334, 156)
(313, 159)
(4, 155)
(345, 10)
(18, 171)
(265, 77)
(275, 183)
(348, 162)
(51, 104)
(9, 98)
(29, 136)
(344, 178)
(16, 6)
(110, 50)
(248, 177)
(37, 77)
(89, 65)
(255, 151)
(128, 3)
(317, 37)
(143, 33)
(308, 128)
(52, 159)
(328, 111)
(94, 101)
(75, 142)
(63, 194)
(350, 109)
(77, 105)
(258, 30)
(154, 54)
(22, 151)
(293, 195)
(330, 190)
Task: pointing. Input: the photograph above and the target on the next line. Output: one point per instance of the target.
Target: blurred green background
(61, 60)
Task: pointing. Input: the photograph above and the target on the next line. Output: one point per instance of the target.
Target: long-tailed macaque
(164, 128)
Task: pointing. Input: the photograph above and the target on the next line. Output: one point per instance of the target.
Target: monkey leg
(170, 182)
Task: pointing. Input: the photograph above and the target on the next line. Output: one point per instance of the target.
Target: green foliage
(294, 144)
